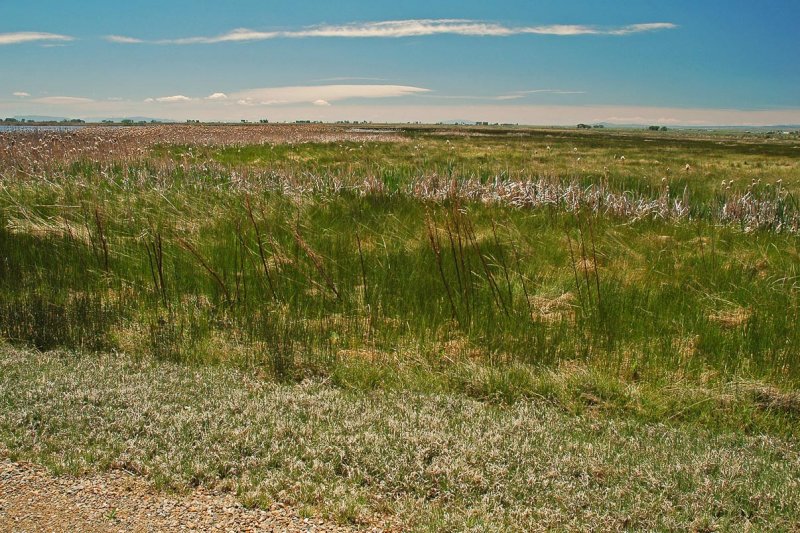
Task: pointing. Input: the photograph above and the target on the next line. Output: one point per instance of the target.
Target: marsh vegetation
(651, 278)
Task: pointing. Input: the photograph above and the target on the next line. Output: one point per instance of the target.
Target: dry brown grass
(556, 309)
(731, 318)
(29, 151)
(36, 226)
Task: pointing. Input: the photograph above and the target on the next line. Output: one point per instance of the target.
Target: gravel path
(33, 500)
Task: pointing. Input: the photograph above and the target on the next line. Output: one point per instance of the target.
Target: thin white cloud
(234, 36)
(405, 28)
(31, 36)
(122, 39)
(639, 28)
(21, 94)
(62, 100)
(351, 78)
(516, 95)
(409, 28)
(550, 91)
(173, 99)
(318, 95)
(321, 93)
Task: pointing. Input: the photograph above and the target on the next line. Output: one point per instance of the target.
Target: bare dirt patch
(31, 499)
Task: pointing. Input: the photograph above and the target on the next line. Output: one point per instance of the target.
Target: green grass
(309, 281)
(428, 462)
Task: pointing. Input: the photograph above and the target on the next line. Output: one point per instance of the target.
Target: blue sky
(538, 62)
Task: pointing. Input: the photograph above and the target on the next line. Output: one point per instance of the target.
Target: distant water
(35, 129)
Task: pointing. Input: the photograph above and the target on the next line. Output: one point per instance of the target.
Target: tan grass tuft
(773, 399)
(361, 354)
(39, 227)
(553, 309)
(686, 347)
(731, 318)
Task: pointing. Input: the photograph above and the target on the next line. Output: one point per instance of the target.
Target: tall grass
(314, 273)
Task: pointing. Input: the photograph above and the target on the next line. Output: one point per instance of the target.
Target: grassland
(430, 462)
(639, 281)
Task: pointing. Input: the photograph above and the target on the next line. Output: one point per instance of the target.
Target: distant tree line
(26, 121)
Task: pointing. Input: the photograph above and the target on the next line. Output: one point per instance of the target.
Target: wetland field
(411, 327)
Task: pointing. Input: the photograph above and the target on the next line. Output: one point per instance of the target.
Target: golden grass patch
(731, 318)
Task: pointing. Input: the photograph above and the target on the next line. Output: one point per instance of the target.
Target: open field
(472, 327)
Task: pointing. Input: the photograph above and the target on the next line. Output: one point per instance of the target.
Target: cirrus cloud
(122, 39)
(170, 99)
(62, 100)
(321, 95)
(318, 95)
(408, 28)
(32, 36)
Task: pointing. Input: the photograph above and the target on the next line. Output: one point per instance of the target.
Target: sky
(677, 62)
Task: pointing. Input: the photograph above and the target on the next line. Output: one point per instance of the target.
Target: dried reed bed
(31, 151)
(127, 151)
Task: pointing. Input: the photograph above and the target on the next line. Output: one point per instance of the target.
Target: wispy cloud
(21, 94)
(321, 94)
(62, 100)
(170, 99)
(318, 95)
(122, 39)
(31, 36)
(351, 78)
(515, 95)
(407, 28)
(640, 28)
